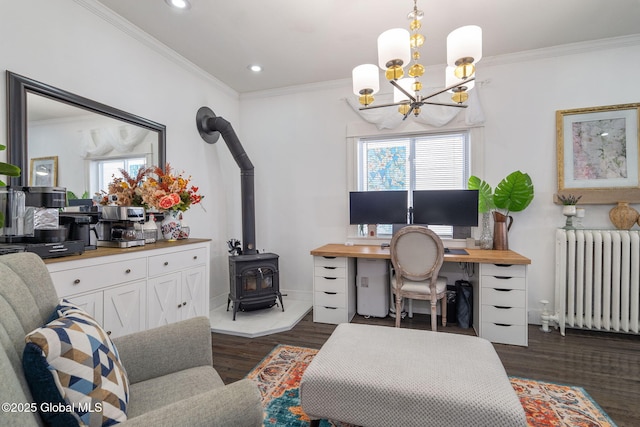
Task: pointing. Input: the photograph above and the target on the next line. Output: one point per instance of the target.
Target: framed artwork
(598, 153)
(43, 171)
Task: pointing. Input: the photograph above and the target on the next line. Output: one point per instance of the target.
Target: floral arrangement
(169, 191)
(154, 189)
(124, 188)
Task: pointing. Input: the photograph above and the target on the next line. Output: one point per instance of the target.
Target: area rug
(545, 404)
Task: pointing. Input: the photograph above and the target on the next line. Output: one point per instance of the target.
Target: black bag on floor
(464, 303)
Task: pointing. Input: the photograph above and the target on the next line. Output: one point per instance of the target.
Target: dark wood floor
(606, 365)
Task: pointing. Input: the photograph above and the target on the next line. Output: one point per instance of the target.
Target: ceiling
(308, 41)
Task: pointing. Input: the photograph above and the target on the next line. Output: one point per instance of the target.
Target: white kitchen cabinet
(129, 290)
(124, 309)
(177, 296)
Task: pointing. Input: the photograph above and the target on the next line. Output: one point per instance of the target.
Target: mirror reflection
(80, 150)
(62, 139)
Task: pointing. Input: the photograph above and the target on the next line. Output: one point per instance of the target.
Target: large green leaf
(485, 193)
(514, 193)
(9, 170)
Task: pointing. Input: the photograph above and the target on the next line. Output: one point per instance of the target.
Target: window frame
(359, 131)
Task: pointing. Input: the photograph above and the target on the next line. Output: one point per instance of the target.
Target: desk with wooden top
(499, 290)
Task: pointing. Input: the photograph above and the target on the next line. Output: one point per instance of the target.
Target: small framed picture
(43, 171)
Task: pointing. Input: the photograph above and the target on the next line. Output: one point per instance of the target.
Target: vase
(184, 228)
(569, 211)
(501, 231)
(486, 238)
(623, 216)
(171, 225)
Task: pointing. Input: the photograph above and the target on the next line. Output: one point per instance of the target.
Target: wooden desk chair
(417, 254)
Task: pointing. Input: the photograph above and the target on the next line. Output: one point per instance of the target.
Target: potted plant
(8, 170)
(513, 194)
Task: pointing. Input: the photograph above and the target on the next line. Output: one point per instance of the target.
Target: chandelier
(399, 48)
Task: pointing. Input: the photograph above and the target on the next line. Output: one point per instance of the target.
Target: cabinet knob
(184, 303)
(166, 263)
(128, 270)
(179, 305)
(108, 332)
(195, 257)
(76, 282)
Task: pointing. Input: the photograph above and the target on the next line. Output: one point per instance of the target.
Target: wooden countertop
(102, 251)
(376, 251)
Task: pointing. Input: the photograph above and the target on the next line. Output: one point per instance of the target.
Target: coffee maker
(32, 221)
(116, 227)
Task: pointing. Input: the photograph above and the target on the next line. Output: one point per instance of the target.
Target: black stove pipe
(211, 127)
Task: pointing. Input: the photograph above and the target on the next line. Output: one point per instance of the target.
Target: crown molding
(512, 58)
(154, 44)
(564, 50)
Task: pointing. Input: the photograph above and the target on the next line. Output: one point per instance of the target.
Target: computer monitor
(446, 207)
(378, 207)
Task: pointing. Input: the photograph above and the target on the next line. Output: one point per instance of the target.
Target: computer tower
(372, 283)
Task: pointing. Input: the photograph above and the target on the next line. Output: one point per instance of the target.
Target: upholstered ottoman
(383, 376)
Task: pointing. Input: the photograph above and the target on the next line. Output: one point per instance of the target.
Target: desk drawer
(504, 282)
(329, 299)
(330, 315)
(88, 279)
(321, 261)
(506, 298)
(501, 314)
(505, 334)
(330, 284)
(503, 270)
(333, 272)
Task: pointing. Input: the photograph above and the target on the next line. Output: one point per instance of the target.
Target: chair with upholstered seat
(417, 254)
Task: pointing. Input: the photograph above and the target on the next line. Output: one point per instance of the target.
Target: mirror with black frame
(61, 139)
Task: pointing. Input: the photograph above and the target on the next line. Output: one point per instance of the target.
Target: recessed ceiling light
(179, 4)
(255, 68)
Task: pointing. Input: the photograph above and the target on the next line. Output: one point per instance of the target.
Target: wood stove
(254, 282)
(253, 277)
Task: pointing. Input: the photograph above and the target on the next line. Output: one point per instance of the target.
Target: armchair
(172, 380)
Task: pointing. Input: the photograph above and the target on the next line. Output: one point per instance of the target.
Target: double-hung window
(434, 161)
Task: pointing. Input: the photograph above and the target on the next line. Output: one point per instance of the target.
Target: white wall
(297, 137)
(68, 45)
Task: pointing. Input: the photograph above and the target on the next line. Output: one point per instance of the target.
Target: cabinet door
(163, 299)
(124, 309)
(194, 295)
(91, 303)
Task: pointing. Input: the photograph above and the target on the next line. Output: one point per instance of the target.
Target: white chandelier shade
(398, 95)
(365, 77)
(399, 48)
(464, 42)
(394, 46)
